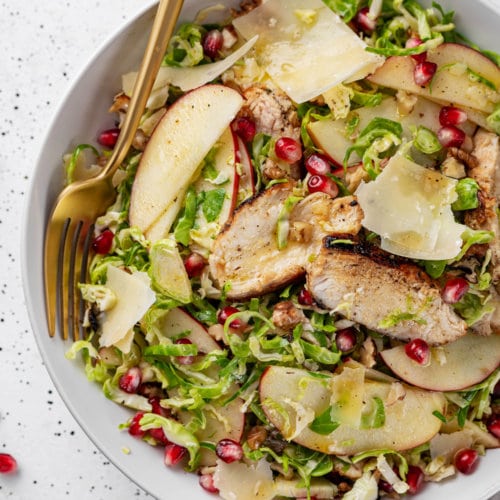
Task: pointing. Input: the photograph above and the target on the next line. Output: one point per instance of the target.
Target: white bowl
(77, 121)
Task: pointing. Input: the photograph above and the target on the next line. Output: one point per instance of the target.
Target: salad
(296, 290)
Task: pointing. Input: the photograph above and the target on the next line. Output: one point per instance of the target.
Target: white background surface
(43, 46)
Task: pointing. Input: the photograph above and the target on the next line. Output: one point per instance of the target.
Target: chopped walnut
(272, 171)
(120, 103)
(286, 316)
(453, 168)
(246, 6)
(460, 154)
(256, 436)
(354, 176)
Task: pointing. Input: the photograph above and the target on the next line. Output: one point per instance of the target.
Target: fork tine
(83, 278)
(74, 261)
(61, 278)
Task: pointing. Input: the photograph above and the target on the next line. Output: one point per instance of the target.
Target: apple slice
(246, 170)
(222, 422)
(180, 141)
(330, 135)
(455, 366)
(225, 175)
(178, 321)
(297, 393)
(452, 83)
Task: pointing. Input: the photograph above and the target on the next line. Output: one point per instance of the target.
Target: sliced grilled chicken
(385, 293)
(246, 254)
(487, 175)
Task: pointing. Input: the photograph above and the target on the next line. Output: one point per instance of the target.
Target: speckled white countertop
(43, 46)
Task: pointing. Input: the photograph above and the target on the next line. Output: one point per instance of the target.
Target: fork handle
(161, 31)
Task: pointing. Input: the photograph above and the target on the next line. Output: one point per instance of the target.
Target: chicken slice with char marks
(385, 293)
(246, 253)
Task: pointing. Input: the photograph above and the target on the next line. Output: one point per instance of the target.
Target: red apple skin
(178, 144)
(469, 360)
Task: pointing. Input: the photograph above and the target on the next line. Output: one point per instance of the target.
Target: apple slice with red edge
(246, 170)
(289, 394)
(457, 66)
(330, 135)
(453, 367)
(222, 420)
(178, 322)
(179, 143)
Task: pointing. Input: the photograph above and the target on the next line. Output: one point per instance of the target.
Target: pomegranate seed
(184, 360)
(318, 164)
(212, 43)
(415, 42)
(244, 128)
(102, 244)
(229, 450)
(466, 460)
(454, 289)
(493, 424)
(451, 136)
(173, 454)
(385, 486)
(8, 464)
(449, 115)
(108, 138)
(157, 408)
(288, 149)
(159, 435)
(323, 184)
(227, 311)
(131, 380)
(194, 264)
(414, 479)
(305, 298)
(134, 428)
(423, 72)
(207, 483)
(364, 22)
(419, 351)
(346, 340)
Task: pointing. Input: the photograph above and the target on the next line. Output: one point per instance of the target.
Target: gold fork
(70, 226)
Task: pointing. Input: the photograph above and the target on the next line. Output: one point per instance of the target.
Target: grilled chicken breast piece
(486, 172)
(487, 175)
(383, 292)
(246, 254)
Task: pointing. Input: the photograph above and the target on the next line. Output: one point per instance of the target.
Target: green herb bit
(186, 221)
(324, 424)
